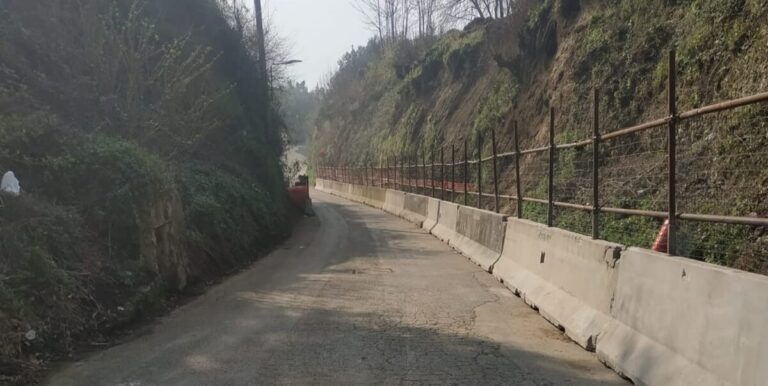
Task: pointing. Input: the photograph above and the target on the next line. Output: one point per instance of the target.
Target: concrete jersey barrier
(394, 202)
(433, 213)
(375, 196)
(570, 278)
(357, 193)
(479, 235)
(445, 229)
(415, 208)
(684, 322)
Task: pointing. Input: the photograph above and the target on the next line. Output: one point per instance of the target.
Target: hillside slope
(139, 137)
(417, 97)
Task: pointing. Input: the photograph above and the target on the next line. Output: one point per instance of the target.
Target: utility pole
(263, 61)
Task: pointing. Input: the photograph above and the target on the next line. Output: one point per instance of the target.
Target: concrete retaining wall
(570, 278)
(415, 208)
(683, 322)
(479, 235)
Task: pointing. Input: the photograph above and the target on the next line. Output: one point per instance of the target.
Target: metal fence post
(424, 170)
(551, 190)
(442, 173)
(672, 150)
(432, 171)
(518, 183)
(466, 174)
(479, 171)
(495, 173)
(453, 173)
(410, 173)
(596, 166)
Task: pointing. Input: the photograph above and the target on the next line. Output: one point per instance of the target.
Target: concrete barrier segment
(394, 202)
(678, 321)
(415, 208)
(433, 213)
(568, 277)
(445, 229)
(479, 235)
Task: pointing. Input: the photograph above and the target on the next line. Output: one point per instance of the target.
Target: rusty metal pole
(432, 172)
(453, 173)
(479, 171)
(518, 183)
(442, 173)
(551, 190)
(672, 150)
(424, 170)
(596, 166)
(495, 173)
(414, 172)
(410, 174)
(466, 174)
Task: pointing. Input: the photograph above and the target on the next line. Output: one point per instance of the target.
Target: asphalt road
(356, 297)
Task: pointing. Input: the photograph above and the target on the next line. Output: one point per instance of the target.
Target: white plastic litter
(10, 184)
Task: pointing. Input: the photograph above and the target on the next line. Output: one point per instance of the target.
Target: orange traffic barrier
(660, 245)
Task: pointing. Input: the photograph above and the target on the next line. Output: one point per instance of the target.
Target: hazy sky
(318, 31)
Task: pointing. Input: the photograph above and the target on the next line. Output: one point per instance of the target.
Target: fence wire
(534, 174)
(573, 184)
(721, 170)
(722, 161)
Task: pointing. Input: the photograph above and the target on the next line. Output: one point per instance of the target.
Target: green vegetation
(554, 53)
(138, 134)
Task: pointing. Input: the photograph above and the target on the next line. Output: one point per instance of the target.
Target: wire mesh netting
(634, 174)
(721, 169)
(573, 184)
(507, 184)
(534, 174)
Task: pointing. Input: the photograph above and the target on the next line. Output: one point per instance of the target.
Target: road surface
(356, 297)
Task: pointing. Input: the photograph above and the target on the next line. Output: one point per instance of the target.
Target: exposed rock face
(163, 251)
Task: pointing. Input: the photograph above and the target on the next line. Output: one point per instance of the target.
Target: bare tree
(390, 19)
(464, 10)
(373, 15)
(426, 11)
